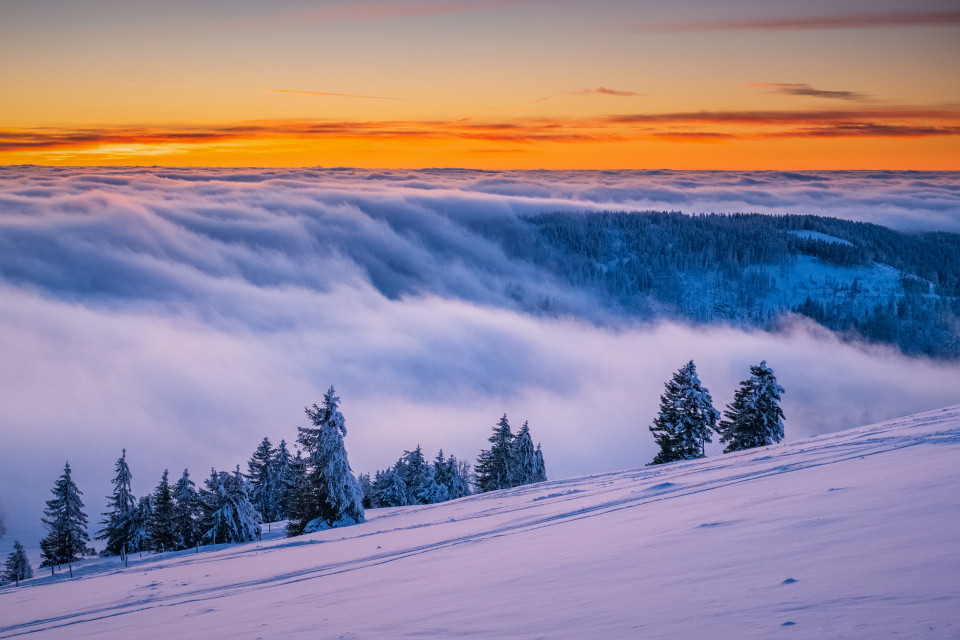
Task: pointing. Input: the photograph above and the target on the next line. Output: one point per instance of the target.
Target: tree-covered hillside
(749, 269)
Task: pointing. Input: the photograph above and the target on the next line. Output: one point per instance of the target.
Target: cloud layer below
(186, 314)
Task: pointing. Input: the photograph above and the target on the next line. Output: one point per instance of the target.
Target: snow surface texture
(847, 535)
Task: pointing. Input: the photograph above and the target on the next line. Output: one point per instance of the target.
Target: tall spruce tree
(524, 457)
(162, 523)
(119, 520)
(295, 486)
(262, 474)
(285, 477)
(754, 418)
(66, 523)
(495, 466)
(331, 496)
(17, 566)
(140, 529)
(187, 512)
(541, 474)
(687, 416)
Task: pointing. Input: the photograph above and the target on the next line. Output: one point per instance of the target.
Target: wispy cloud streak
(328, 94)
(604, 91)
(797, 23)
(806, 90)
(743, 125)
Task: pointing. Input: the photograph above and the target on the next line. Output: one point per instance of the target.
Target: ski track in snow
(45, 606)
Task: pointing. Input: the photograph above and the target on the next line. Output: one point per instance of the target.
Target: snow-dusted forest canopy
(853, 277)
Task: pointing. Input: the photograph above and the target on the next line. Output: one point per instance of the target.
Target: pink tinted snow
(846, 535)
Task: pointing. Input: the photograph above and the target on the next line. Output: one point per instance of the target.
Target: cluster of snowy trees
(413, 480)
(687, 415)
(314, 489)
(511, 461)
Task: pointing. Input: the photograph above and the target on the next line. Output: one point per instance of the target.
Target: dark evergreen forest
(754, 270)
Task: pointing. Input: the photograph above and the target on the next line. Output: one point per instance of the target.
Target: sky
(500, 84)
(184, 314)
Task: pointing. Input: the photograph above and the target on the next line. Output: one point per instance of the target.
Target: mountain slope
(847, 535)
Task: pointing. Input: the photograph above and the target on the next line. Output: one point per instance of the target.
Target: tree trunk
(70, 566)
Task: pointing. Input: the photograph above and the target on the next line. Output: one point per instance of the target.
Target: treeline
(723, 268)
(511, 461)
(413, 480)
(312, 489)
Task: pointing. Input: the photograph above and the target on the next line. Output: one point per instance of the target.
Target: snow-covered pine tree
(541, 473)
(66, 523)
(524, 457)
(686, 417)
(389, 489)
(432, 492)
(140, 529)
(17, 566)
(754, 418)
(366, 488)
(233, 518)
(118, 521)
(332, 497)
(187, 512)
(262, 474)
(440, 469)
(495, 467)
(295, 486)
(162, 526)
(417, 475)
(447, 473)
(285, 477)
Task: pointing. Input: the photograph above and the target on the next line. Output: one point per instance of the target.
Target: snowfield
(848, 535)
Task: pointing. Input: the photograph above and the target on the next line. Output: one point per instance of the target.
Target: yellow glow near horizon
(457, 83)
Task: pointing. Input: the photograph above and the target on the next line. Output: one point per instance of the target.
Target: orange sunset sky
(606, 84)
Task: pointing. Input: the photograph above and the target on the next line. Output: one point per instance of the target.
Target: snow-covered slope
(848, 535)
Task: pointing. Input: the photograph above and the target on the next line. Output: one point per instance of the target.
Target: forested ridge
(753, 269)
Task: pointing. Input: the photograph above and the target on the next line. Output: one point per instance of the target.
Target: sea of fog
(184, 314)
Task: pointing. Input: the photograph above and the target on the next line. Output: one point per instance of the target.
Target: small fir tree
(686, 417)
(366, 488)
(66, 523)
(17, 566)
(118, 521)
(332, 495)
(754, 418)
